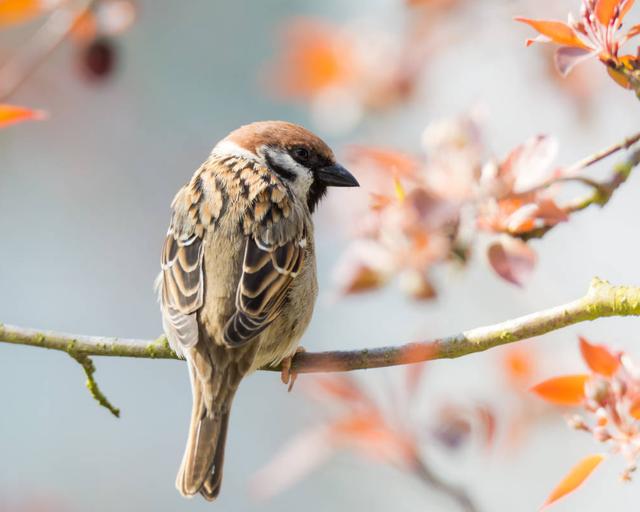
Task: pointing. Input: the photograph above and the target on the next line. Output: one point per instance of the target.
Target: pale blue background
(84, 206)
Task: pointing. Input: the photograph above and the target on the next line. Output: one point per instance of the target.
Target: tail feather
(201, 469)
(211, 486)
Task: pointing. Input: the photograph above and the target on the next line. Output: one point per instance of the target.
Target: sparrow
(238, 273)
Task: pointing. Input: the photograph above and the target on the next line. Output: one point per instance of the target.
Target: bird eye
(301, 154)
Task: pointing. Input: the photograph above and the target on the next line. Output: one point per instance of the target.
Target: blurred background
(133, 111)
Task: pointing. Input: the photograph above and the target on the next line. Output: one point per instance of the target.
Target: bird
(238, 281)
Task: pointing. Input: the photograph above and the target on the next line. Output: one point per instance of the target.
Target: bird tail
(201, 469)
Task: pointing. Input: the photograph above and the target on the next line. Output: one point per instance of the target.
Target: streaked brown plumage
(238, 280)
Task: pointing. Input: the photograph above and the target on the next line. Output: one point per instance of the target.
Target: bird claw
(287, 375)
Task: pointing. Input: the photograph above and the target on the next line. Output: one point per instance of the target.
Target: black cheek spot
(279, 170)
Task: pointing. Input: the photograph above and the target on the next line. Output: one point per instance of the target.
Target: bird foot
(287, 375)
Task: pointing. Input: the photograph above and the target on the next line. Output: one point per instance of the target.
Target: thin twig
(601, 155)
(89, 369)
(601, 192)
(433, 480)
(26, 61)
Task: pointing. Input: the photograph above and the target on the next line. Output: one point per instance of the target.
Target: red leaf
(574, 478)
(557, 31)
(564, 390)
(512, 259)
(598, 358)
(10, 114)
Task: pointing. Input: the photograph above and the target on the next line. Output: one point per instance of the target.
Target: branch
(602, 300)
(89, 369)
(601, 155)
(428, 476)
(601, 192)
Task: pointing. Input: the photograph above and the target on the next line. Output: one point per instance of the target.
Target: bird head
(300, 158)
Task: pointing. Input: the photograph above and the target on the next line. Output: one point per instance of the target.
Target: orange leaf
(605, 9)
(379, 201)
(10, 114)
(368, 433)
(395, 162)
(598, 358)
(634, 409)
(574, 478)
(557, 31)
(564, 390)
(518, 364)
(315, 56)
(624, 8)
(18, 11)
(632, 32)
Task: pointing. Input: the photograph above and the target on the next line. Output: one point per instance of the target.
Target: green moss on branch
(601, 300)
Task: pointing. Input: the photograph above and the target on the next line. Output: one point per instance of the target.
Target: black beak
(336, 176)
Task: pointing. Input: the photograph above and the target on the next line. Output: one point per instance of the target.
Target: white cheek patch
(227, 148)
(303, 176)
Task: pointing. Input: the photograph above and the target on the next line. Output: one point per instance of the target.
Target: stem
(601, 192)
(601, 155)
(89, 369)
(433, 480)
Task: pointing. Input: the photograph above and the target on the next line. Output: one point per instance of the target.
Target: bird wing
(273, 257)
(180, 283)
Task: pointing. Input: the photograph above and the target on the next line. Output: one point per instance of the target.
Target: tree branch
(601, 192)
(602, 300)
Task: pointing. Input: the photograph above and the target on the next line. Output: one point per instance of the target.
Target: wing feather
(268, 271)
(180, 283)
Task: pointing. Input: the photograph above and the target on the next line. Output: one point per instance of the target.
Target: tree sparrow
(238, 280)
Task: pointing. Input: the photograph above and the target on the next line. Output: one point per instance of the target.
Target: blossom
(609, 399)
(596, 33)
